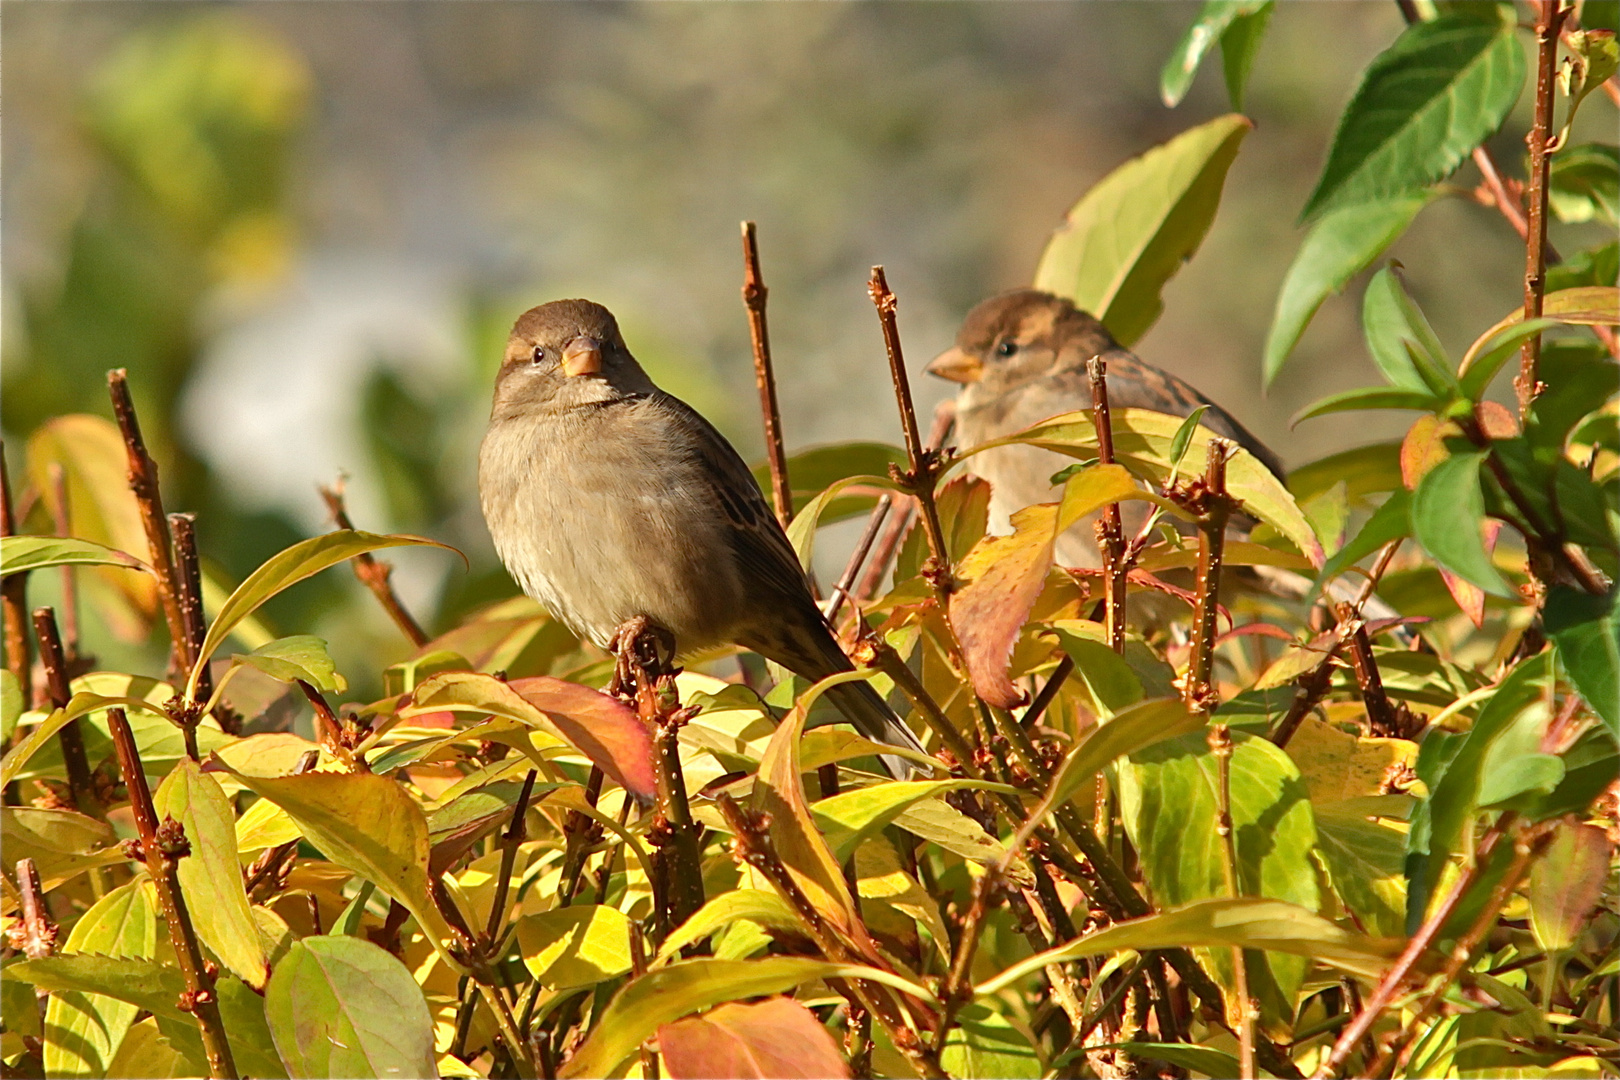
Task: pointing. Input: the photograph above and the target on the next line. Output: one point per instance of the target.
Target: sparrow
(609, 499)
(1021, 358)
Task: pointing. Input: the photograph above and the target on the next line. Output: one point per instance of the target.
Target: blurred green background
(305, 229)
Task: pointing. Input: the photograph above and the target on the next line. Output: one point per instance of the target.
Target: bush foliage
(1258, 837)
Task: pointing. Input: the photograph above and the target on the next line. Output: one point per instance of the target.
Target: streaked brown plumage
(608, 499)
(1021, 358)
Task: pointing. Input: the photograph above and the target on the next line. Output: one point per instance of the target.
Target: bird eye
(1006, 348)
(539, 354)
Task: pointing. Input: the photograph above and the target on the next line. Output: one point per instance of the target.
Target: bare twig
(1212, 505)
(374, 573)
(1110, 531)
(1549, 19)
(1054, 683)
(1395, 978)
(14, 597)
(581, 833)
(74, 759)
(857, 558)
(754, 293)
(510, 840)
(188, 583)
(889, 545)
(143, 482)
(162, 846)
(1220, 743)
(923, 463)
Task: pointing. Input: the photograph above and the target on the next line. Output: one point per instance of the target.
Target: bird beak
(583, 356)
(957, 366)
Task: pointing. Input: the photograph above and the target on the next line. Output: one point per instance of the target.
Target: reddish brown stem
(38, 938)
(1549, 19)
(188, 583)
(754, 293)
(924, 463)
(1110, 530)
(162, 848)
(1395, 978)
(374, 573)
(14, 597)
(1213, 507)
(1381, 715)
(857, 558)
(889, 545)
(143, 482)
(59, 692)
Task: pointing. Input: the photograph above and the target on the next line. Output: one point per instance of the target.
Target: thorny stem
(14, 597)
(1213, 507)
(1382, 717)
(71, 738)
(923, 463)
(1398, 972)
(143, 482)
(638, 968)
(956, 990)
(753, 294)
(1110, 530)
(1529, 841)
(374, 573)
(1220, 743)
(188, 583)
(752, 845)
(846, 580)
(581, 832)
(675, 833)
(1549, 20)
(162, 847)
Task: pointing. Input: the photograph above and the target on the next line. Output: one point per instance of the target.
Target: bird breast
(602, 515)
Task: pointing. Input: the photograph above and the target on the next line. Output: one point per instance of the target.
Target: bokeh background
(305, 229)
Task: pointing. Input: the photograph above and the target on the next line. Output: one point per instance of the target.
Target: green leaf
(1440, 90)
(302, 656)
(1594, 266)
(801, 531)
(1131, 730)
(1567, 883)
(1183, 436)
(750, 905)
(1447, 509)
(983, 1043)
(152, 986)
(1239, 46)
(1401, 341)
(81, 704)
(365, 823)
(211, 876)
(1584, 183)
(1136, 227)
(1389, 522)
(1167, 803)
(1369, 397)
(11, 704)
(285, 569)
(1246, 922)
(1198, 1059)
(339, 1006)
(1593, 58)
(814, 470)
(1338, 247)
(86, 1029)
(668, 993)
(24, 554)
(849, 818)
(579, 945)
(1210, 26)
(1586, 632)
(1365, 862)
(1479, 368)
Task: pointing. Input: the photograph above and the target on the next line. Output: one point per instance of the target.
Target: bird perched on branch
(1021, 358)
(610, 500)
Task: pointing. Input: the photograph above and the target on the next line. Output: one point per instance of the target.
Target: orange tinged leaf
(777, 1037)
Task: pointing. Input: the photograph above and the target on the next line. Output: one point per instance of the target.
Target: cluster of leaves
(492, 870)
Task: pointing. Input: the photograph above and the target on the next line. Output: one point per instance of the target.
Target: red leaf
(604, 728)
(777, 1037)
(1004, 575)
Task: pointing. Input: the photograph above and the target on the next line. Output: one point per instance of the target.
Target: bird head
(1017, 337)
(565, 354)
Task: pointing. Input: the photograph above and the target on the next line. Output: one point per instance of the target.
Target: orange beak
(957, 366)
(583, 356)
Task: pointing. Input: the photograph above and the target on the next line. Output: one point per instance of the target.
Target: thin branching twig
(1110, 530)
(374, 573)
(1549, 19)
(754, 293)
